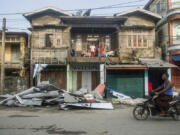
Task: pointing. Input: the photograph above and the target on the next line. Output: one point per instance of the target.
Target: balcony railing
(49, 56)
(11, 39)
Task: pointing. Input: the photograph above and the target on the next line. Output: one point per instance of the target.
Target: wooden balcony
(49, 55)
(12, 65)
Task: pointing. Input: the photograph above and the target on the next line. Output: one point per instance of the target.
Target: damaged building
(16, 61)
(50, 40)
(76, 52)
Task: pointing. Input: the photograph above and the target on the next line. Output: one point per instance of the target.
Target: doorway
(86, 80)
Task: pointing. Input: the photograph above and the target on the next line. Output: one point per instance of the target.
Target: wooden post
(3, 54)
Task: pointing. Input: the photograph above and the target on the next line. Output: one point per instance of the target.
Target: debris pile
(48, 94)
(124, 99)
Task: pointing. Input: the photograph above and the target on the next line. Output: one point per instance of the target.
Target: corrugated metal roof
(125, 66)
(155, 63)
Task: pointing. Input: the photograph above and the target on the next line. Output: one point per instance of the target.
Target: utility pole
(3, 53)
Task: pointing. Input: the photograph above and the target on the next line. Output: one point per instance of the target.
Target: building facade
(16, 61)
(168, 33)
(50, 40)
(83, 51)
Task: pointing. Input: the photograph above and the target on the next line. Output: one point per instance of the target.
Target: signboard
(85, 67)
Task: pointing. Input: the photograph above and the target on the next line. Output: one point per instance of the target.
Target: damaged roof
(49, 9)
(140, 11)
(155, 63)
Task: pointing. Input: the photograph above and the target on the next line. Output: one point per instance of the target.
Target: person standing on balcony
(101, 50)
(93, 49)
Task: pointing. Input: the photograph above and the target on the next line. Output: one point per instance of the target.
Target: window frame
(55, 37)
(131, 34)
(76, 39)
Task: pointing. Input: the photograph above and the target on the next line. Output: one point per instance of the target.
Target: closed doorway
(86, 80)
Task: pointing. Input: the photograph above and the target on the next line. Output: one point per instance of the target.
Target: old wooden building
(50, 41)
(137, 49)
(16, 61)
(82, 51)
(94, 41)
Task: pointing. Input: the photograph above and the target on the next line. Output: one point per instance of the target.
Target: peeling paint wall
(16, 81)
(7, 52)
(49, 19)
(139, 21)
(15, 84)
(55, 53)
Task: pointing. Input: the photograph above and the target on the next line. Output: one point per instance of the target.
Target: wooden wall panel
(59, 76)
(79, 80)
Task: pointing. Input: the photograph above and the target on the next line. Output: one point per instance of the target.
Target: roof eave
(153, 15)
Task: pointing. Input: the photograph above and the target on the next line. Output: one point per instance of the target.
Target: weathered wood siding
(55, 54)
(147, 28)
(59, 76)
(49, 19)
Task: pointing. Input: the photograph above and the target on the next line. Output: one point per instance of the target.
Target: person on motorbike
(165, 94)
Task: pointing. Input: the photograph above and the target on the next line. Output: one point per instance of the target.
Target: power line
(96, 8)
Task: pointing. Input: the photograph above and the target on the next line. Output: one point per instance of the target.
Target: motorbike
(149, 108)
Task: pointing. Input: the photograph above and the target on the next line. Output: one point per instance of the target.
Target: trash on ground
(124, 99)
(104, 106)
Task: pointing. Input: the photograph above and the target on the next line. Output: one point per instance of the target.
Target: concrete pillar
(102, 73)
(69, 78)
(146, 82)
(169, 73)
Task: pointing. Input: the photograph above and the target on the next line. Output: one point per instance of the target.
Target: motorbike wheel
(175, 114)
(140, 113)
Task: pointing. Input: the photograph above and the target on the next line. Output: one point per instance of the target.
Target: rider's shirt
(168, 92)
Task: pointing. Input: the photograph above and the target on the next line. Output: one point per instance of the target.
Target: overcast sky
(18, 23)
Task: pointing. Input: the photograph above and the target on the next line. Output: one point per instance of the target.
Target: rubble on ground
(124, 99)
(48, 94)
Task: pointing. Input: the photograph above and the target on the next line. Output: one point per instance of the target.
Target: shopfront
(86, 75)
